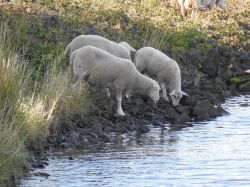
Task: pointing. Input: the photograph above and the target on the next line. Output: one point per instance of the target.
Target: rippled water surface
(214, 153)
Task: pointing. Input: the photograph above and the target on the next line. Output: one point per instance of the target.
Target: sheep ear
(157, 87)
(172, 92)
(132, 49)
(183, 93)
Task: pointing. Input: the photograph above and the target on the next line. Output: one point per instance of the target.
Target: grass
(35, 80)
(144, 22)
(239, 80)
(30, 108)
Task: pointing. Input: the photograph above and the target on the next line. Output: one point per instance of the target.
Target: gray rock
(83, 139)
(141, 129)
(157, 123)
(184, 118)
(135, 110)
(41, 174)
(65, 145)
(201, 110)
(210, 96)
(105, 138)
(172, 114)
(108, 129)
(121, 127)
(226, 93)
(93, 135)
(189, 101)
(51, 19)
(73, 138)
(233, 89)
(97, 128)
(92, 140)
(149, 116)
(182, 109)
(211, 64)
(245, 58)
(91, 29)
(213, 112)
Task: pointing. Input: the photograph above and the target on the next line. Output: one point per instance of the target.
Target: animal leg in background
(183, 10)
(195, 6)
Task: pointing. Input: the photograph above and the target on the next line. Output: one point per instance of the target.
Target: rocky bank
(207, 79)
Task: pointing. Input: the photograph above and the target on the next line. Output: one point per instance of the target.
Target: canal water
(211, 153)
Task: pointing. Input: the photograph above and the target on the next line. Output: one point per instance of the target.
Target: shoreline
(95, 127)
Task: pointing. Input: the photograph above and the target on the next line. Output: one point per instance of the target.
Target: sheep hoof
(120, 113)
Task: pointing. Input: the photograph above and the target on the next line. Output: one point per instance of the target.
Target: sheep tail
(72, 57)
(66, 52)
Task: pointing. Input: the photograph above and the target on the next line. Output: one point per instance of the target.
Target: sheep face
(176, 96)
(154, 92)
(127, 46)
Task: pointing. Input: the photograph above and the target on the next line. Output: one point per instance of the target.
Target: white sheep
(121, 49)
(166, 70)
(105, 70)
(195, 5)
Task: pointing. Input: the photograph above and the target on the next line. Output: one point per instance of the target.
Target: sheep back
(154, 61)
(158, 64)
(99, 42)
(103, 68)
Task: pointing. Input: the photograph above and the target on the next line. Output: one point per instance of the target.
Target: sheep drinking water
(108, 71)
(167, 71)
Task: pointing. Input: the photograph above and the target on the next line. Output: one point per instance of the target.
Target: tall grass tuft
(30, 108)
(12, 86)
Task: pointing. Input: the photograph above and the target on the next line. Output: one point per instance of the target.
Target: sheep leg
(119, 103)
(194, 13)
(164, 92)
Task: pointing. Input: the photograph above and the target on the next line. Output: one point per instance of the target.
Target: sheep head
(127, 46)
(176, 96)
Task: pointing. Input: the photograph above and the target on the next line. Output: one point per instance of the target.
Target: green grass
(239, 80)
(154, 21)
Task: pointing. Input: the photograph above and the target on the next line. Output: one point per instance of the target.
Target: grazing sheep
(164, 68)
(105, 70)
(196, 4)
(121, 49)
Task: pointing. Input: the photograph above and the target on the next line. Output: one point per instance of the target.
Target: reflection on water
(214, 153)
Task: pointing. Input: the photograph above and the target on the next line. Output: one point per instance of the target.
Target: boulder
(157, 123)
(201, 110)
(245, 58)
(211, 64)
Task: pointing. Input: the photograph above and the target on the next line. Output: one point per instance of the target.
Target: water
(213, 153)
